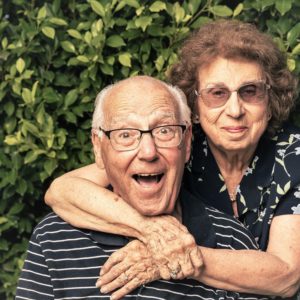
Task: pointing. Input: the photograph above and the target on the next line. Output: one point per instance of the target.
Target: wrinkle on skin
(234, 129)
(123, 108)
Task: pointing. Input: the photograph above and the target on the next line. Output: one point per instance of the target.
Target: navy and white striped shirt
(64, 262)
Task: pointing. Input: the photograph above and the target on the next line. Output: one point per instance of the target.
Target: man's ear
(96, 140)
(188, 143)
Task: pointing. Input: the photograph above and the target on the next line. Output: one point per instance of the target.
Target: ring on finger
(174, 272)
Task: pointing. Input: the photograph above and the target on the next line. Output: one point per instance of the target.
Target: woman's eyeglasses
(216, 96)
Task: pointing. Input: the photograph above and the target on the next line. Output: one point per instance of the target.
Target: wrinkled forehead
(139, 102)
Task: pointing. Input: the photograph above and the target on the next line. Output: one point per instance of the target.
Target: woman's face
(235, 125)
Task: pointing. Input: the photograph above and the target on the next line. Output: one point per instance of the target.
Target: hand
(126, 269)
(172, 247)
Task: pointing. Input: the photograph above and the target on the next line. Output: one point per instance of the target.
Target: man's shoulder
(53, 227)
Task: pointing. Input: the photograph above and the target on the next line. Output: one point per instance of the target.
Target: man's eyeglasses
(126, 139)
(216, 96)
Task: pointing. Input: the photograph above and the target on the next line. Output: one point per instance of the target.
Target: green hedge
(54, 58)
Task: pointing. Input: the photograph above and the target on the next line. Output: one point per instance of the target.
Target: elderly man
(142, 136)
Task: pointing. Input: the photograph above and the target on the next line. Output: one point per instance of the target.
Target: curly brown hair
(232, 39)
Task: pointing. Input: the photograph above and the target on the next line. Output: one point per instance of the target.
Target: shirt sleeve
(35, 282)
(289, 203)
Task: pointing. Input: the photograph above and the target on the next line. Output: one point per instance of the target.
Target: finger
(114, 259)
(113, 273)
(118, 282)
(126, 289)
(186, 266)
(164, 272)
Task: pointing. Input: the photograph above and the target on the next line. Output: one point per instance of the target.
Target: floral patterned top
(270, 186)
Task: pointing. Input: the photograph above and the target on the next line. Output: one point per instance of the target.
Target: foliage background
(54, 58)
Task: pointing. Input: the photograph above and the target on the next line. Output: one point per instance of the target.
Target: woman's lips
(235, 129)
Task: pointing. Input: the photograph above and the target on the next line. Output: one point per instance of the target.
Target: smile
(148, 179)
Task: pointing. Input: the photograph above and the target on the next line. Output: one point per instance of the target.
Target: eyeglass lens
(129, 139)
(250, 93)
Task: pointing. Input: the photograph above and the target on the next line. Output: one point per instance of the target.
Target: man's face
(148, 177)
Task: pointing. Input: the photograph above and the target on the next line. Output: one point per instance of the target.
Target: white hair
(178, 95)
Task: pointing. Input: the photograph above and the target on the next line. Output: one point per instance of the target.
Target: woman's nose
(234, 105)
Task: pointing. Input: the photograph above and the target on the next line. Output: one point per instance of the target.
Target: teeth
(145, 175)
(155, 176)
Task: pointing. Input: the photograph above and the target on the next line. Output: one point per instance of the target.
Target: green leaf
(221, 11)
(179, 12)
(49, 32)
(143, 22)
(115, 41)
(157, 6)
(9, 108)
(107, 69)
(71, 97)
(42, 13)
(15, 209)
(82, 58)
(3, 220)
(34, 89)
(283, 6)
(50, 165)
(98, 8)
(68, 46)
(159, 63)
(12, 140)
(125, 59)
(27, 96)
(291, 64)
(193, 6)
(20, 65)
(238, 9)
(296, 50)
(293, 34)
(4, 42)
(58, 21)
(75, 34)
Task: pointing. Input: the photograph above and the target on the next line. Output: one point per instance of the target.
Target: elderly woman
(245, 162)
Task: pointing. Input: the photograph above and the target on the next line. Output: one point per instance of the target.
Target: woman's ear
(96, 140)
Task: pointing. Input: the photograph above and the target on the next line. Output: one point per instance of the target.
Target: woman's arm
(274, 272)
(79, 199)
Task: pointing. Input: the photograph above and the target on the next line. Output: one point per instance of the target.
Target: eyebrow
(222, 84)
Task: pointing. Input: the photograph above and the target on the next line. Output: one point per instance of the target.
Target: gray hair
(180, 98)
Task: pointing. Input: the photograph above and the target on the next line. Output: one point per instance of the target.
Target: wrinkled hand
(172, 247)
(126, 269)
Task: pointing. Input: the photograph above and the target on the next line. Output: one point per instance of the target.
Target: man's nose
(234, 105)
(147, 148)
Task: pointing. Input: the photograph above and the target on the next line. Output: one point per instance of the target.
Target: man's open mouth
(148, 178)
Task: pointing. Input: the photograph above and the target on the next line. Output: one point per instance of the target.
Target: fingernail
(98, 283)
(112, 297)
(103, 290)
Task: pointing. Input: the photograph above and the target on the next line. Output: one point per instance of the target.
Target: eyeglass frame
(267, 87)
(108, 132)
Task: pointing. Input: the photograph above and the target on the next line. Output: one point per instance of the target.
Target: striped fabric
(64, 262)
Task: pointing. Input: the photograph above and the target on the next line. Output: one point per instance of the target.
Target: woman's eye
(218, 92)
(249, 90)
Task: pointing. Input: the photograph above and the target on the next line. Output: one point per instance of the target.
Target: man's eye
(167, 130)
(124, 135)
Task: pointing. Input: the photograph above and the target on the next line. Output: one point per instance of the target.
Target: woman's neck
(232, 165)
